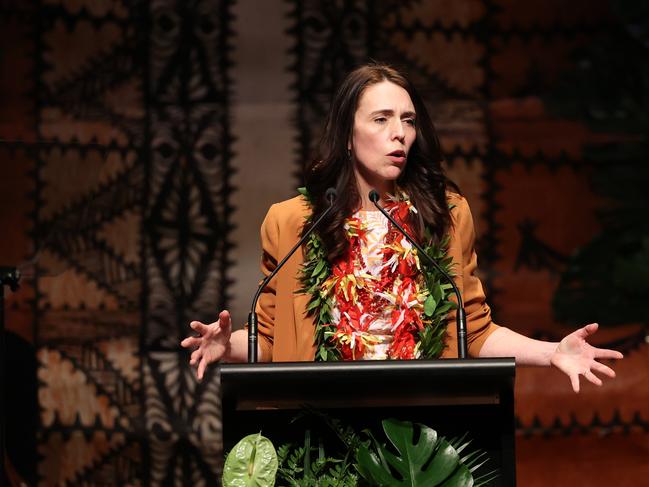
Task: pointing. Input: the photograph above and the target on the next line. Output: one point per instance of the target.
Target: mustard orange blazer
(286, 333)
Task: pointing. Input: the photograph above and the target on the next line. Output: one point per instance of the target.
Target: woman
(358, 290)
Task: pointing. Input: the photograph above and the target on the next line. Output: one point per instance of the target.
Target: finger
(587, 330)
(190, 342)
(224, 320)
(201, 369)
(592, 378)
(195, 357)
(603, 369)
(574, 380)
(605, 353)
(201, 328)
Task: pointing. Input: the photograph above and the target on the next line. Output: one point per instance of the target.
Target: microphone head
(374, 196)
(331, 194)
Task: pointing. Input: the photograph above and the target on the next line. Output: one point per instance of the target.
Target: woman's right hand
(211, 344)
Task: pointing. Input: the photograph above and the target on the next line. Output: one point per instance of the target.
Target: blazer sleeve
(478, 313)
(266, 303)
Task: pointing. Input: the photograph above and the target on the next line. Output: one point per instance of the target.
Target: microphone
(253, 333)
(460, 316)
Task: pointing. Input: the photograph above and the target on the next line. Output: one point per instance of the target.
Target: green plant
(251, 463)
(309, 466)
(421, 459)
(356, 460)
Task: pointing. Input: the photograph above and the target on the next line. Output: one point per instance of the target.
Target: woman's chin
(392, 173)
(383, 180)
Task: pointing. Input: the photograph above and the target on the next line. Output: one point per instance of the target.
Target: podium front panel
(451, 396)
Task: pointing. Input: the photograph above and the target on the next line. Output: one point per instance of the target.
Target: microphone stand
(252, 316)
(9, 276)
(460, 316)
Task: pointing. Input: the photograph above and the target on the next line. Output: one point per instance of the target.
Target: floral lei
(418, 322)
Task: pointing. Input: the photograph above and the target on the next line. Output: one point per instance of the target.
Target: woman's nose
(397, 131)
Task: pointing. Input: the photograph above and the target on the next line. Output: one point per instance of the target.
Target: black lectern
(451, 396)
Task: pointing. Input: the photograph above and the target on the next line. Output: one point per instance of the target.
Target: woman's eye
(410, 121)
(380, 120)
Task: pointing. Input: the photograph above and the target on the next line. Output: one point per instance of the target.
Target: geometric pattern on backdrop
(88, 215)
(542, 207)
(186, 230)
(132, 223)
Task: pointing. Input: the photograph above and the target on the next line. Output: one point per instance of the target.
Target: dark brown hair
(423, 178)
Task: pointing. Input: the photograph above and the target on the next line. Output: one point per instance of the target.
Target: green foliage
(333, 455)
(422, 459)
(251, 463)
(307, 465)
(315, 271)
(438, 304)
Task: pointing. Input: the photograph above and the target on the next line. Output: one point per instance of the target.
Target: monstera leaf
(251, 463)
(429, 462)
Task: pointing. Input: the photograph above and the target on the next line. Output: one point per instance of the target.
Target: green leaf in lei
(251, 463)
(438, 303)
(429, 462)
(315, 271)
(429, 306)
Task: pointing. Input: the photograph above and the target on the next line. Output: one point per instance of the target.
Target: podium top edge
(504, 366)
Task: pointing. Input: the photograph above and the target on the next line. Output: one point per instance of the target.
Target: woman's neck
(388, 187)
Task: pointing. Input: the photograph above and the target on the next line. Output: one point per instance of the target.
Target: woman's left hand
(575, 356)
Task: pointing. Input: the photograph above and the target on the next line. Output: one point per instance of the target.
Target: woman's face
(384, 130)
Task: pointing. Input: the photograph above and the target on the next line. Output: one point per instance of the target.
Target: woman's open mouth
(397, 156)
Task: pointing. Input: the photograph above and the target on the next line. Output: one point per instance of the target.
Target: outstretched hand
(211, 344)
(575, 356)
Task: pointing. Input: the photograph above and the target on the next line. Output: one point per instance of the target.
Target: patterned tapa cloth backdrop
(128, 213)
(129, 228)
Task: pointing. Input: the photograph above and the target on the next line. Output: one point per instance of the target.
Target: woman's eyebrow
(388, 111)
(385, 111)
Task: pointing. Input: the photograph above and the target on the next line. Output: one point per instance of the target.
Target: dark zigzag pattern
(596, 425)
(97, 76)
(76, 356)
(94, 362)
